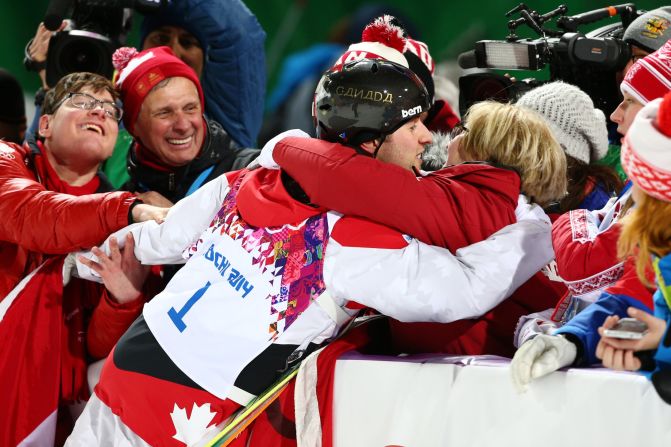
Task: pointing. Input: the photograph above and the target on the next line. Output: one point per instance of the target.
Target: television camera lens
(76, 51)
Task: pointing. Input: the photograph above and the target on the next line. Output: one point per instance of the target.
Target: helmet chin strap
(377, 149)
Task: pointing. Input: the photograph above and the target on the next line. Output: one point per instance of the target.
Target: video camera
(97, 28)
(589, 61)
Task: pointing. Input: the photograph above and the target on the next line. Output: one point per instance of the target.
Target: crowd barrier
(424, 401)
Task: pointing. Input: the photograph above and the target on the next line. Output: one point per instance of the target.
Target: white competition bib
(241, 290)
(210, 318)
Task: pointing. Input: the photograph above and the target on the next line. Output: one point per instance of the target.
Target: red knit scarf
(51, 181)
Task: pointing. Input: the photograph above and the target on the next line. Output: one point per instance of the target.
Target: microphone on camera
(571, 23)
(467, 60)
(596, 15)
(56, 12)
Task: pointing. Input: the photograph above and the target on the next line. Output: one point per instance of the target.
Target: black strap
(30, 63)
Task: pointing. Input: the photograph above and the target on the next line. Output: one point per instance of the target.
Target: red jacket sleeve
(108, 323)
(629, 284)
(109, 319)
(443, 208)
(49, 222)
(580, 251)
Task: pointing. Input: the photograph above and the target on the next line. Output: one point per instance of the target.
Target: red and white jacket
(451, 208)
(55, 328)
(252, 294)
(585, 245)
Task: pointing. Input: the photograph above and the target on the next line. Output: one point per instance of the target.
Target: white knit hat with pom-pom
(381, 39)
(578, 126)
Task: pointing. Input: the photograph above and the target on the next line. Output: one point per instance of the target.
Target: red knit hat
(138, 73)
(646, 151)
(649, 78)
(421, 50)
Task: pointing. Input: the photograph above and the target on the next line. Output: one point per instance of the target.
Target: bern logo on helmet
(411, 112)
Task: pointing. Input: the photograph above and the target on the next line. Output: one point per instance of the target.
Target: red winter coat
(58, 328)
(453, 207)
(40, 219)
(38, 222)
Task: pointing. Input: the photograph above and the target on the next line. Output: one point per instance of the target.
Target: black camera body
(589, 61)
(97, 28)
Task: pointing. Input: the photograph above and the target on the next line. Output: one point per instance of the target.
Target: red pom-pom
(664, 116)
(382, 30)
(122, 56)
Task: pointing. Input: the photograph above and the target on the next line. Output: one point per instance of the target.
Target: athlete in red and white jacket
(269, 278)
(251, 299)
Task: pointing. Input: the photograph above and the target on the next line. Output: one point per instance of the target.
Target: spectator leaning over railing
(510, 156)
(646, 236)
(53, 200)
(585, 242)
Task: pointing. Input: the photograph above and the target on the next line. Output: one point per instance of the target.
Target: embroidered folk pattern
(651, 179)
(293, 255)
(596, 282)
(579, 231)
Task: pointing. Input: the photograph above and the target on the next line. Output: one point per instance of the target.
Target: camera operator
(647, 34)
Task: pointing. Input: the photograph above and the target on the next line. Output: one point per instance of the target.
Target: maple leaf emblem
(190, 430)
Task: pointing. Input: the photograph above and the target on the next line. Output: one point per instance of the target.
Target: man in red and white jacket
(269, 278)
(53, 201)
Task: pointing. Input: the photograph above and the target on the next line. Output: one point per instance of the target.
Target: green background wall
(448, 27)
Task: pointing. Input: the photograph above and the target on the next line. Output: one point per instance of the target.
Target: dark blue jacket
(234, 70)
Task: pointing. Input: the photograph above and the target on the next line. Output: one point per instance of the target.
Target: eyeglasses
(457, 130)
(88, 102)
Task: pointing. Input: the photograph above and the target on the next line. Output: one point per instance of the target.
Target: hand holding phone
(627, 328)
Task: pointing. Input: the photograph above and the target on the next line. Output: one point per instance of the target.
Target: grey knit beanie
(651, 30)
(578, 127)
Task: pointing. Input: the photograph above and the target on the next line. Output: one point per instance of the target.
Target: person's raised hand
(39, 46)
(121, 272)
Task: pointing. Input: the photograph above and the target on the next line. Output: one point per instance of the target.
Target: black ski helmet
(365, 100)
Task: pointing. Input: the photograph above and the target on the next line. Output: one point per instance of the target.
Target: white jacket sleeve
(426, 283)
(164, 244)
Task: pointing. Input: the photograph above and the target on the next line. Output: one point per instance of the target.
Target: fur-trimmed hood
(435, 153)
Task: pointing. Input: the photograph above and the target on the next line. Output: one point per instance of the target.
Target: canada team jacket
(251, 299)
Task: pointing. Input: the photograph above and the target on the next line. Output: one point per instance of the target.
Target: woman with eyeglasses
(53, 201)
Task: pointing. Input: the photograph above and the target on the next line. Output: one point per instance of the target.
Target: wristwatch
(30, 63)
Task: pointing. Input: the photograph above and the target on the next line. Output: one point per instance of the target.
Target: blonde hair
(646, 232)
(519, 138)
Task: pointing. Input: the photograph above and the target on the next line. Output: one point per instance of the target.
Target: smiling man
(76, 134)
(53, 200)
(176, 149)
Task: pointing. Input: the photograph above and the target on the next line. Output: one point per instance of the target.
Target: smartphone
(629, 328)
